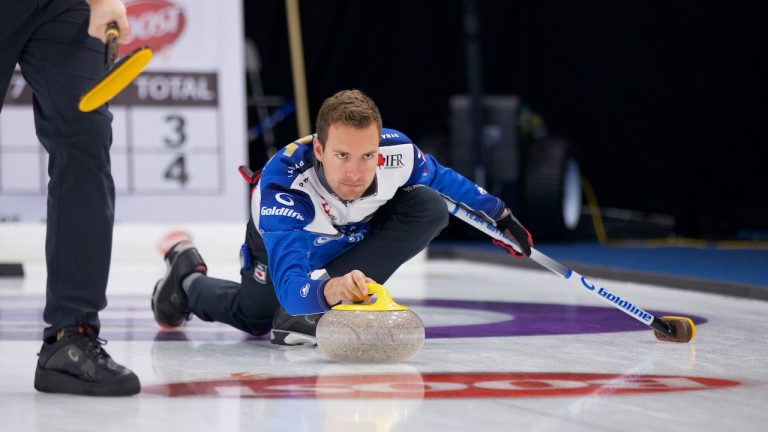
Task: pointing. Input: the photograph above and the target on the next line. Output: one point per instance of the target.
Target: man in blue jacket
(329, 212)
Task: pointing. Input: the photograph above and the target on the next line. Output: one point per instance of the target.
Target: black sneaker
(294, 329)
(76, 363)
(169, 301)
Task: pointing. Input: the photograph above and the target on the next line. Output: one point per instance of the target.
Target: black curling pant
(399, 230)
(49, 40)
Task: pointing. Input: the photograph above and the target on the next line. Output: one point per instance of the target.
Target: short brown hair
(350, 107)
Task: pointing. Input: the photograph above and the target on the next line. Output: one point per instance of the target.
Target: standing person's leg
(59, 62)
(17, 22)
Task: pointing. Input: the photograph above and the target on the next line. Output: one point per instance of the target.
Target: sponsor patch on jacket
(281, 211)
(390, 161)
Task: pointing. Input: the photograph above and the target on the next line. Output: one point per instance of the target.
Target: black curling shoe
(294, 329)
(169, 301)
(76, 363)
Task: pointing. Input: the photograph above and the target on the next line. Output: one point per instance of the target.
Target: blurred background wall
(665, 102)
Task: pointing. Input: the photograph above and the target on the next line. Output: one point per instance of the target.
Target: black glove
(511, 228)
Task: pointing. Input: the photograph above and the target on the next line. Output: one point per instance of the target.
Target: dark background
(665, 101)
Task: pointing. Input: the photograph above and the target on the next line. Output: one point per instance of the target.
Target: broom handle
(110, 53)
(569, 274)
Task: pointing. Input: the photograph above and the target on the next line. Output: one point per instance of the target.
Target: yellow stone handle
(384, 301)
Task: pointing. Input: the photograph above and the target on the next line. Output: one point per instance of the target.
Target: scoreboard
(179, 130)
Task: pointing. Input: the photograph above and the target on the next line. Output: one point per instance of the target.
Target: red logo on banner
(154, 23)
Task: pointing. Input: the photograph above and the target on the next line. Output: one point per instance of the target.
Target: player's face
(349, 159)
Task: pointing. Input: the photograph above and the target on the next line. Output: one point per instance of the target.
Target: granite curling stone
(379, 332)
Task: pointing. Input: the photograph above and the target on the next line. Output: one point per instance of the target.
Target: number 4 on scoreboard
(177, 171)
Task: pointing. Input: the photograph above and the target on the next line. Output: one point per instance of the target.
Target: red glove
(511, 228)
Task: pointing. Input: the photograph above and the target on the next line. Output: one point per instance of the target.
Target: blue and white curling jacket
(305, 225)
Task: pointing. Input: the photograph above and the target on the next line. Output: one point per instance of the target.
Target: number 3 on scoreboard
(179, 132)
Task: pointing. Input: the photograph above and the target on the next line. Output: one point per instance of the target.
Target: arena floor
(506, 349)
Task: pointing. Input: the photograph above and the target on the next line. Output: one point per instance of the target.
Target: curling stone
(378, 332)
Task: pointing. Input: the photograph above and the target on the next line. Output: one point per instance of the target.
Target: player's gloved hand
(512, 229)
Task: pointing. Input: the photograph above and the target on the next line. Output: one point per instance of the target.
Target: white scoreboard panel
(179, 130)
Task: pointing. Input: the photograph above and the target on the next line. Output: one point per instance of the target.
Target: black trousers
(399, 230)
(49, 40)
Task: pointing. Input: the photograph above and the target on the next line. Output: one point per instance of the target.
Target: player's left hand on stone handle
(514, 230)
(106, 14)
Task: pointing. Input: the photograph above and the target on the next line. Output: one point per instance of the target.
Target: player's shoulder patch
(290, 161)
(393, 137)
(291, 148)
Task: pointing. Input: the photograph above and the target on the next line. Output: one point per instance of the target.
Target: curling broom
(666, 328)
(118, 75)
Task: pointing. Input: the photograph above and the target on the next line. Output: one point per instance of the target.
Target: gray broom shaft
(555, 267)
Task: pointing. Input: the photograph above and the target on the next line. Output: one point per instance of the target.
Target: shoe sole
(48, 381)
(164, 325)
(288, 338)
